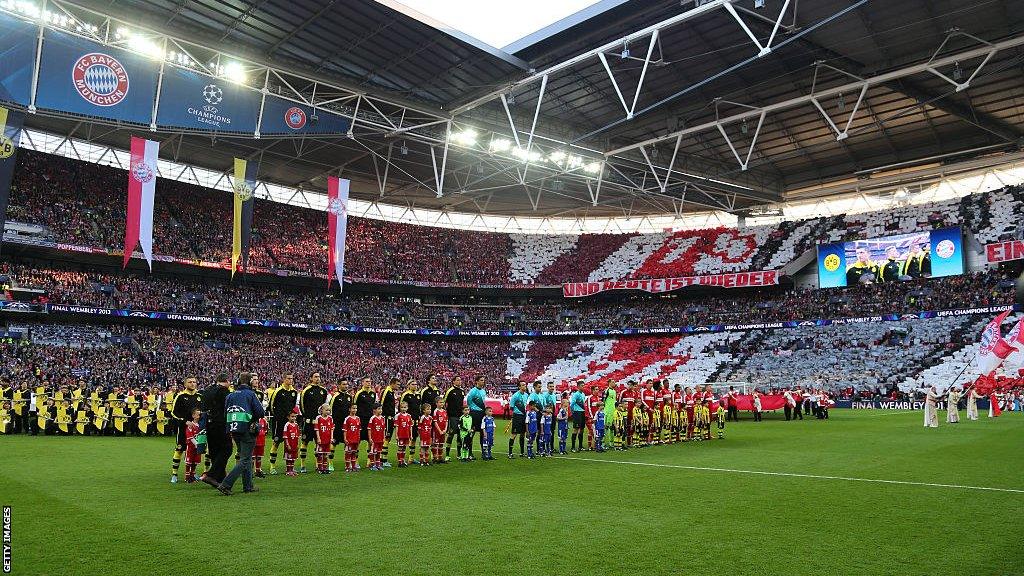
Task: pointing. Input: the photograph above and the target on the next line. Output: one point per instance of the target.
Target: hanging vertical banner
(141, 192)
(10, 134)
(337, 227)
(244, 188)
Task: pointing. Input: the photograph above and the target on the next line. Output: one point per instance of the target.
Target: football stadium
(452, 287)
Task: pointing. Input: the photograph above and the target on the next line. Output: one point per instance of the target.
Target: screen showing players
(891, 258)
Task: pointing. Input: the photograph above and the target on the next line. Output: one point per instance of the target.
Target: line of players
(639, 416)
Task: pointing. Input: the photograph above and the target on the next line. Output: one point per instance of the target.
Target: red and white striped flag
(337, 226)
(1015, 337)
(993, 349)
(141, 191)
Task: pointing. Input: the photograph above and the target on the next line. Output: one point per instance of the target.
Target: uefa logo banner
(295, 118)
(282, 116)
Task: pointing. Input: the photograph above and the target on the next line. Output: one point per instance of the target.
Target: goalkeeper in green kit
(609, 414)
(465, 434)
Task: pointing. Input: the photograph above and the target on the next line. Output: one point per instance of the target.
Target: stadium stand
(81, 204)
(845, 359)
(180, 295)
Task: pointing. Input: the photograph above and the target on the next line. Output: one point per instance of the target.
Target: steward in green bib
(243, 409)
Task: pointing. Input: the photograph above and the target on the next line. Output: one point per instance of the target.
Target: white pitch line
(792, 475)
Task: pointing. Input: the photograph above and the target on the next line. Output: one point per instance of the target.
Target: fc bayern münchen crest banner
(10, 133)
(141, 192)
(244, 189)
(337, 227)
(83, 77)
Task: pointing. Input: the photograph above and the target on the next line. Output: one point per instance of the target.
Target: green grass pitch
(104, 506)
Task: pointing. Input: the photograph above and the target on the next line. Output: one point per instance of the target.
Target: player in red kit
(649, 397)
(324, 427)
(629, 399)
(290, 436)
(376, 433)
(426, 426)
(259, 448)
(679, 408)
(192, 441)
(689, 401)
(440, 433)
(712, 399)
(594, 405)
(403, 432)
(353, 430)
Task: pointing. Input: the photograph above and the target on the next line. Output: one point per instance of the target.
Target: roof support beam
(536, 77)
(880, 79)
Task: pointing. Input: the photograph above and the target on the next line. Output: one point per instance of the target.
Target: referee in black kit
(453, 400)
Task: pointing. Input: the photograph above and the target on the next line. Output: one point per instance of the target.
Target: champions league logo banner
(10, 135)
(283, 117)
(17, 54)
(192, 100)
(82, 77)
(244, 189)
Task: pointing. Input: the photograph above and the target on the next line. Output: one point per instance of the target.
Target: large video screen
(891, 259)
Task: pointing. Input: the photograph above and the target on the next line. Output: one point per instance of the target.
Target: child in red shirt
(192, 453)
(257, 451)
(353, 428)
(324, 427)
(426, 425)
(291, 436)
(440, 432)
(403, 432)
(376, 432)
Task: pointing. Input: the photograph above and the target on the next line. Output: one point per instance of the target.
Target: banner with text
(658, 285)
(1004, 251)
(192, 100)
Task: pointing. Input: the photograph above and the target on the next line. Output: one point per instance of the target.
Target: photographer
(244, 410)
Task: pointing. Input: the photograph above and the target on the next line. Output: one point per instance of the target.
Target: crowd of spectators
(137, 357)
(316, 306)
(84, 204)
(859, 361)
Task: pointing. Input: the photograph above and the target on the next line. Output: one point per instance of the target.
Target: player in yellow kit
(700, 415)
(668, 422)
(619, 424)
(654, 431)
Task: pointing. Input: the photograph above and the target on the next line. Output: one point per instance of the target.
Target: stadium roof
(739, 106)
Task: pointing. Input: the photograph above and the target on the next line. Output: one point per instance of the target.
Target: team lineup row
(619, 416)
